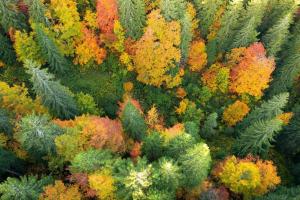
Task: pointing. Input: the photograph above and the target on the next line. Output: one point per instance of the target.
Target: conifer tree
(55, 96)
(152, 146)
(208, 129)
(5, 122)
(50, 51)
(133, 17)
(7, 53)
(37, 11)
(10, 17)
(172, 9)
(257, 138)
(36, 135)
(277, 35)
(186, 36)
(10, 164)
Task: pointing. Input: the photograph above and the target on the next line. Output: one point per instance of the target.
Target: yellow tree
(235, 113)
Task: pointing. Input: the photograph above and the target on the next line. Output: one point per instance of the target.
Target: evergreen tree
(37, 11)
(292, 193)
(133, 122)
(36, 135)
(195, 165)
(10, 17)
(50, 51)
(10, 164)
(277, 35)
(5, 122)
(247, 30)
(152, 146)
(208, 130)
(132, 17)
(55, 96)
(207, 10)
(25, 188)
(179, 145)
(286, 74)
(173, 9)
(257, 138)
(7, 53)
(186, 36)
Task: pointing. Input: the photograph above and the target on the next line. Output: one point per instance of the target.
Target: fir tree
(10, 17)
(152, 146)
(55, 96)
(25, 188)
(257, 138)
(173, 9)
(50, 51)
(37, 11)
(7, 53)
(132, 17)
(277, 35)
(208, 130)
(36, 135)
(186, 36)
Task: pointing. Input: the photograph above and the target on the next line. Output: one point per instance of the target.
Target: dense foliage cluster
(149, 99)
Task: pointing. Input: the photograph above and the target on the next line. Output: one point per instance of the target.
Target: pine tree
(36, 135)
(186, 36)
(55, 96)
(208, 130)
(37, 11)
(132, 17)
(50, 51)
(277, 35)
(7, 53)
(206, 10)
(10, 17)
(257, 138)
(172, 9)
(289, 70)
(247, 30)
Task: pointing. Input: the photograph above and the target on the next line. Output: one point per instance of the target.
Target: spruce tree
(37, 11)
(36, 135)
(277, 35)
(208, 130)
(132, 17)
(257, 138)
(7, 53)
(173, 9)
(10, 164)
(11, 17)
(50, 51)
(56, 97)
(6, 126)
(186, 36)
(152, 146)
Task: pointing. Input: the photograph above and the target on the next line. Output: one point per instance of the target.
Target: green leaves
(173, 9)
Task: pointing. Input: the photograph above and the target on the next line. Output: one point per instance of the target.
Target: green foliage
(25, 188)
(179, 145)
(209, 127)
(5, 122)
(195, 165)
(55, 96)
(193, 129)
(132, 17)
(133, 122)
(152, 146)
(193, 114)
(37, 11)
(91, 161)
(10, 164)
(86, 104)
(186, 35)
(172, 9)
(282, 193)
(7, 53)
(11, 17)
(36, 135)
(159, 195)
(50, 51)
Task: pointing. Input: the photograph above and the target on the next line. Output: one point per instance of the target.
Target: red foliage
(82, 180)
(107, 13)
(134, 102)
(135, 151)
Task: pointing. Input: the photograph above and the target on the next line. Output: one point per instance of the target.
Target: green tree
(257, 138)
(152, 146)
(173, 9)
(292, 193)
(132, 17)
(133, 122)
(11, 17)
(50, 51)
(277, 35)
(179, 145)
(36, 135)
(37, 11)
(10, 164)
(55, 96)
(7, 53)
(209, 127)
(195, 165)
(87, 105)
(25, 188)
(6, 125)
(186, 36)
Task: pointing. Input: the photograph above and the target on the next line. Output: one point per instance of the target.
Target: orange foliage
(214, 28)
(128, 86)
(285, 117)
(253, 73)
(235, 113)
(180, 93)
(174, 131)
(59, 191)
(153, 120)
(197, 56)
(107, 13)
(136, 151)
(134, 102)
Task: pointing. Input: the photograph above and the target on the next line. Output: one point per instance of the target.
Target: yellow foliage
(126, 60)
(2, 64)
(193, 14)
(152, 118)
(3, 140)
(214, 28)
(17, 100)
(103, 183)
(119, 32)
(285, 117)
(59, 191)
(197, 56)
(235, 113)
(90, 19)
(157, 51)
(174, 131)
(182, 106)
(128, 86)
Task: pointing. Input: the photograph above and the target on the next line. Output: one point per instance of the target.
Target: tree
(37, 11)
(197, 57)
(235, 113)
(209, 127)
(152, 146)
(55, 96)
(7, 53)
(157, 52)
(27, 188)
(87, 105)
(186, 35)
(282, 193)
(195, 165)
(277, 35)
(6, 125)
(107, 13)
(173, 9)
(59, 191)
(132, 17)
(11, 17)
(10, 164)
(36, 135)
(49, 50)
